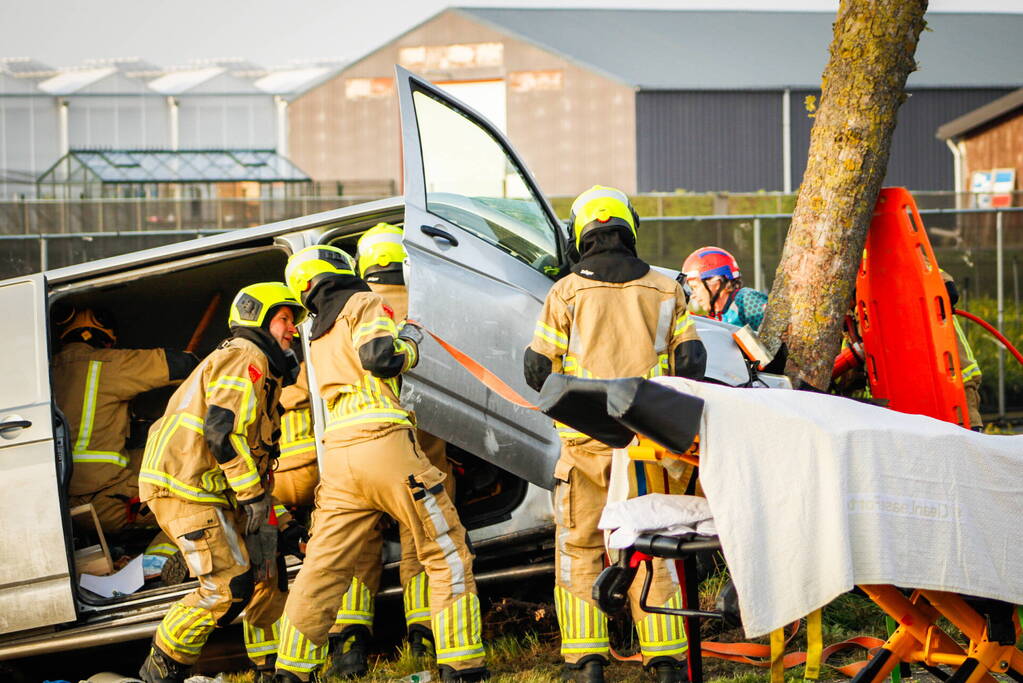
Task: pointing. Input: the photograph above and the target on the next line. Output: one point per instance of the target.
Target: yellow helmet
(87, 325)
(602, 207)
(306, 265)
(254, 305)
(380, 248)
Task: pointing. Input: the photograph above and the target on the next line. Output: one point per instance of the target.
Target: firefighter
(612, 316)
(379, 257)
(968, 366)
(206, 475)
(712, 278)
(297, 474)
(94, 385)
(372, 466)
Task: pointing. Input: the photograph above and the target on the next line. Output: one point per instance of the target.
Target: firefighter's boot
(174, 570)
(451, 675)
(285, 677)
(349, 653)
(420, 641)
(586, 670)
(265, 671)
(159, 668)
(666, 670)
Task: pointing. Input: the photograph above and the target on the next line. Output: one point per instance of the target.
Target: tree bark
(862, 88)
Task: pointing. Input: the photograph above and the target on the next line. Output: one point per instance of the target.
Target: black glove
(260, 536)
(292, 540)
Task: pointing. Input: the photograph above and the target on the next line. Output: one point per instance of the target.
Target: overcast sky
(275, 32)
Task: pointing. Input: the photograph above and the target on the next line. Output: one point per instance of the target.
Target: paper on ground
(124, 582)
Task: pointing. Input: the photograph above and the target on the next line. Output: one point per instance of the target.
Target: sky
(278, 32)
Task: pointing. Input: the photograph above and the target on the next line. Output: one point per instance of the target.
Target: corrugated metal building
(648, 99)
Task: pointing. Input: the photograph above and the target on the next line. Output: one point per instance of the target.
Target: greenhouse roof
(173, 166)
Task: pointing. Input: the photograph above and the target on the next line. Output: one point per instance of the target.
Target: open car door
(35, 574)
(484, 247)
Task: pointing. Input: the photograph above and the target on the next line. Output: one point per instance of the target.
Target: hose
(995, 333)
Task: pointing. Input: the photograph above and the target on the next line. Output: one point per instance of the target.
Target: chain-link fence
(981, 248)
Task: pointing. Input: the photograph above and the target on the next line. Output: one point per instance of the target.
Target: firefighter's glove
(410, 331)
(260, 537)
(292, 540)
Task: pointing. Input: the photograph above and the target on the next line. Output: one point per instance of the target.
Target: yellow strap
(778, 656)
(814, 645)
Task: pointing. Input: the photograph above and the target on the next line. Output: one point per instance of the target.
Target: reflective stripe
(416, 596)
(662, 634)
(184, 631)
(583, 626)
(382, 324)
(443, 539)
(296, 433)
(456, 630)
(260, 642)
(684, 322)
(549, 334)
(80, 452)
(162, 549)
(234, 542)
(410, 351)
(664, 317)
(296, 652)
(165, 481)
(356, 605)
(968, 366)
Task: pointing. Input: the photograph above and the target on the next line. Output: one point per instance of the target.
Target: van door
(484, 247)
(35, 574)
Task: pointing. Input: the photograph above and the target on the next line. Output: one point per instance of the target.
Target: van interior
(162, 305)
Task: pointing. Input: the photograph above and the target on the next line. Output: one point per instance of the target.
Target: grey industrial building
(649, 100)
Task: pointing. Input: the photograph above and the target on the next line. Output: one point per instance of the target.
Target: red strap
(486, 377)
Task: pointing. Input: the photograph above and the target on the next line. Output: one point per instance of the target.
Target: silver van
(484, 247)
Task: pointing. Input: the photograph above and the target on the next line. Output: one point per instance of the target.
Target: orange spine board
(905, 317)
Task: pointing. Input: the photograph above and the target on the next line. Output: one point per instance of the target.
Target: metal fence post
(999, 273)
(43, 260)
(757, 261)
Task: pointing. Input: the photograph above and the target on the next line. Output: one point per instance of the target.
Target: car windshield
(473, 183)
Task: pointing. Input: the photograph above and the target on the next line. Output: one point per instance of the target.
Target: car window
(473, 183)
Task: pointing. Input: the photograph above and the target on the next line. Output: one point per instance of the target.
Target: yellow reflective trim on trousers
(416, 599)
(296, 652)
(457, 630)
(545, 332)
(356, 605)
(383, 324)
(260, 641)
(185, 629)
(583, 626)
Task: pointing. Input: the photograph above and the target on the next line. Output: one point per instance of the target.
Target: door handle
(13, 422)
(442, 234)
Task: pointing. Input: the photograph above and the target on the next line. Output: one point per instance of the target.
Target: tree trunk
(862, 88)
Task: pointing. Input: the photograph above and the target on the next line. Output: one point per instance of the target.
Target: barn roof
(743, 50)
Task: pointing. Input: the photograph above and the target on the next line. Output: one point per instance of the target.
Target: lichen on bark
(871, 56)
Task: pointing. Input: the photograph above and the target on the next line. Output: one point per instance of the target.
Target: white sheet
(655, 513)
(812, 494)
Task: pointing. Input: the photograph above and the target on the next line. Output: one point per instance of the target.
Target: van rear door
(484, 247)
(35, 574)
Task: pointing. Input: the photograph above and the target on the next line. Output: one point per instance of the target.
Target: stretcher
(656, 422)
